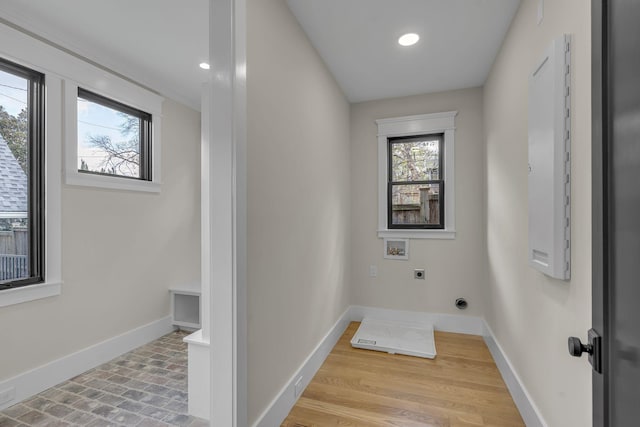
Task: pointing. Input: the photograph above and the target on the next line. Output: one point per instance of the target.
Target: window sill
(111, 182)
(418, 234)
(29, 293)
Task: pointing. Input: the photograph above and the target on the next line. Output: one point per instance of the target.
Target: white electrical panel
(549, 161)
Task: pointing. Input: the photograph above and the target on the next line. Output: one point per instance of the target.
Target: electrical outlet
(7, 395)
(373, 271)
(418, 273)
(298, 387)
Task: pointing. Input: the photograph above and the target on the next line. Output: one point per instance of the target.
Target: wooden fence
(14, 246)
(426, 212)
(14, 242)
(13, 267)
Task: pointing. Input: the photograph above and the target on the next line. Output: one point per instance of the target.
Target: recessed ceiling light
(204, 65)
(408, 39)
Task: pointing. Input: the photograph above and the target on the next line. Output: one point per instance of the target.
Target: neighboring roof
(13, 184)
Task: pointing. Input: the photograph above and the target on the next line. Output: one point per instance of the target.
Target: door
(616, 210)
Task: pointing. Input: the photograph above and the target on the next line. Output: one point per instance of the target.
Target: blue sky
(96, 120)
(13, 93)
(93, 120)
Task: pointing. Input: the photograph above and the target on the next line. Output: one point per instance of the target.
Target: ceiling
(357, 39)
(159, 43)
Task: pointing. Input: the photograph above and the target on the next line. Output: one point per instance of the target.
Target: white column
(227, 205)
(199, 371)
(205, 215)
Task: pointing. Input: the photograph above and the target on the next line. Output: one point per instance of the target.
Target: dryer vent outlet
(461, 303)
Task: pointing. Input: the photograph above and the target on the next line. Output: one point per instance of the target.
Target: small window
(113, 139)
(416, 160)
(21, 176)
(415, 196)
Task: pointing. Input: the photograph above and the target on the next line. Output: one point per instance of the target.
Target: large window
(21, 176)
(416, 183)
(113, 138)
(415, 167)
(30, 217)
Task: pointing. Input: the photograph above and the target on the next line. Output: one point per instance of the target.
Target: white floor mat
(390, 336)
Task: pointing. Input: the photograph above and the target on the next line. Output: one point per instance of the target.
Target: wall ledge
(199, 375)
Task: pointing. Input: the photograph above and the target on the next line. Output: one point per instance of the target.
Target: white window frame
(423, 124)
(127, 93)
(23, 50)
(63, 72)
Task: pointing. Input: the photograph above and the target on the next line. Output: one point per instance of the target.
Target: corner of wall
(524, 305)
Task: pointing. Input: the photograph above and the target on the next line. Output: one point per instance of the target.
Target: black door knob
(576, 348)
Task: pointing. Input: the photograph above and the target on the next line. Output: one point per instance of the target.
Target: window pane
(415, 160)
(415, 204)
(14, 183)
(108, 140)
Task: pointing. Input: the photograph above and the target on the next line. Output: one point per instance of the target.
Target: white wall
(454, 268)
(298, 200)
(121, 251)
(531, 314)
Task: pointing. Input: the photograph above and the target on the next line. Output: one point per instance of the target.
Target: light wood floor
(460, 387)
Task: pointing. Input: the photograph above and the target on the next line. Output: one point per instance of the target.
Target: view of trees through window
(108, 140)
(14, 169)
(416, 183)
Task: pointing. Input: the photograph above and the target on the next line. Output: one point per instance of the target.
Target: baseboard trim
(528, 409)
(280, 407)
(43, 377)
